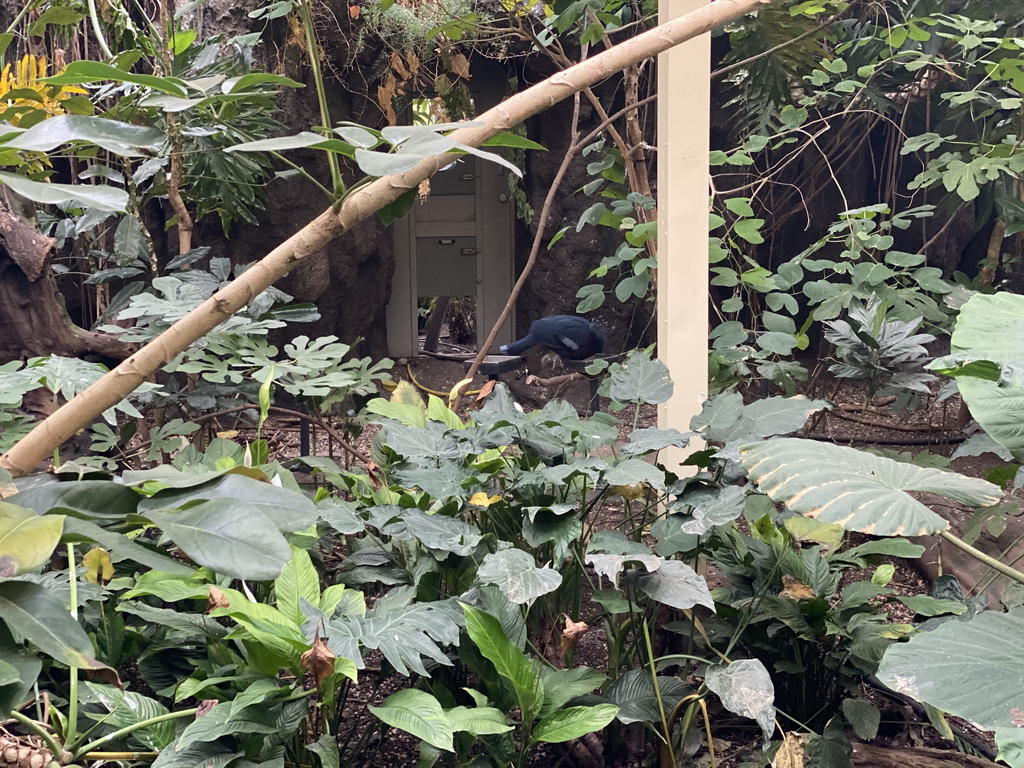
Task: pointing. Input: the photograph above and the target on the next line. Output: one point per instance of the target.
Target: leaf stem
(38, 730)
(337, 184)
(657, 692)
(72, 729)
(98, 30)
(988, 560)
(92, 745)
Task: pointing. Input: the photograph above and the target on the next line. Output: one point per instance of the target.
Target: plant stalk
(94, 17)
(93, 745)
(38, 730)
(313, 51)
(72, 729)
(977, 554)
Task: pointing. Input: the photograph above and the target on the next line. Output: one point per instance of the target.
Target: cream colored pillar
(684, 111)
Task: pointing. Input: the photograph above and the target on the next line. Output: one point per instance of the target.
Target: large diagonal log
(118, 383)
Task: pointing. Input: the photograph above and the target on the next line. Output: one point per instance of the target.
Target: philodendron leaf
(859, 491)
(675, 584)
(972, 669)
(229, 536)
(516, 574)
(745, 688)
(574, 722)
(36, 615)
(26, 538)
(417, 712)
(641, 380)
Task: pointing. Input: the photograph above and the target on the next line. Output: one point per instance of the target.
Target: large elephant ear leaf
(857, 490)
(972, 669)
(987, 360)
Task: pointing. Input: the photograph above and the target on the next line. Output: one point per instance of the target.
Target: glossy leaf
(101, 198)
(417, 712)
(573, 722)
(231, 537)
(298, 581)
(485, 631)
(633, 692)
(35, 614)
(26, 538)
(120, 138)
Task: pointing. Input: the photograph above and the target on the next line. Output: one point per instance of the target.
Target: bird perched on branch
(568, 336)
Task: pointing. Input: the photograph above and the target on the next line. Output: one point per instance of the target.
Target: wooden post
(684, 111)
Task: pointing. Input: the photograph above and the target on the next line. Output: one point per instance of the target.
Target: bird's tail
(520, 346)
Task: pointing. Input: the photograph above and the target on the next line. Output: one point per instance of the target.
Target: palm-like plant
(886, 353)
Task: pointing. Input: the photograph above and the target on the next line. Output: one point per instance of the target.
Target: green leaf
(516, 574)
(57, 15)
(863, 716)
(326, 748)
(831, 749)
(859, 491)
(83, 530)
(641, 380)
(514, 140)
(84, 498)
(26, 538)
(101, 198)
(988, 330)
(633, 692)
(298, 581)
(36, 615)
(23, 669)
(480, 721)
(223, 720)
(287, 510)
(231, 537)
(675, 584)
(85, 71)
(417, 712)
(485, 631)
(924, 605)
(120, 138)
(125, 708)
(573, 722)
(561, 685)
(972, 669)
(745, 688)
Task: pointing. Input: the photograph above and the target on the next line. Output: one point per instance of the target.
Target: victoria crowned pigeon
(571, 337)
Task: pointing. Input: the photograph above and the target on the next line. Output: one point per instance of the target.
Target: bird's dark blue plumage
(571, 337)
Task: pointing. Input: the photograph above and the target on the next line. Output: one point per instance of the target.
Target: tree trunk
(33, 321)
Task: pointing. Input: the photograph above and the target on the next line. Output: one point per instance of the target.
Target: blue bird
(571, 337)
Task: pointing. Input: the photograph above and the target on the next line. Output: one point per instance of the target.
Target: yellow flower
(27, 76)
